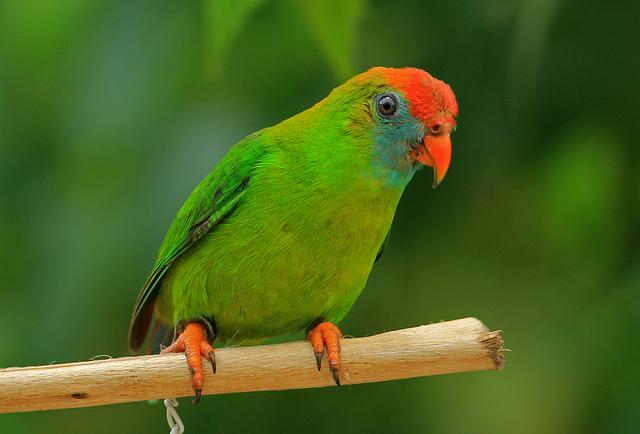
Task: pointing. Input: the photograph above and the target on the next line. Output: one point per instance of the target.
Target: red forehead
(427, 96)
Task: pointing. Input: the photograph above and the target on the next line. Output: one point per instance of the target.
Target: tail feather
(161, 336)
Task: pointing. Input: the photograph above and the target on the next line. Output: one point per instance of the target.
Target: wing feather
(215, 198)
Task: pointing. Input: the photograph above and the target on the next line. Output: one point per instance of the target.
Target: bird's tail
(161, 336)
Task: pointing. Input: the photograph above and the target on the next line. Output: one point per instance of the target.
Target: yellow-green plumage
(285, 230)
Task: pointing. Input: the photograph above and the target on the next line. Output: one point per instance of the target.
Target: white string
(173, 419)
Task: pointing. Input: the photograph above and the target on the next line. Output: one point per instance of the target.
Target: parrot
(280, 237)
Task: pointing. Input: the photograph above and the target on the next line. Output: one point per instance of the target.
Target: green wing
(214, 199)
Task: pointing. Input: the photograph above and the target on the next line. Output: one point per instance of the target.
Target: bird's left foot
(327, 335)
(193, 341)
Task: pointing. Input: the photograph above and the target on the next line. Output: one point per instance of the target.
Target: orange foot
(327, 335)
(194, 344)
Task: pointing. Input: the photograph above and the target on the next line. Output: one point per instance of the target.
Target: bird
(280, 237)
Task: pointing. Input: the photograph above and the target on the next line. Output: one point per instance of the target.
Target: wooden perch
(441, 348)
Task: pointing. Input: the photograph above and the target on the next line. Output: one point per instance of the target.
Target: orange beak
(434, 151)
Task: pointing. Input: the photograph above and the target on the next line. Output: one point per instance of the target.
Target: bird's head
(411, 115)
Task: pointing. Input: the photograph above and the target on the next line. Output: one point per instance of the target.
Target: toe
(327, 336)
(196, 398)
(319, 355)
(176, 347)
(207, 352)
(193, 343)
(336, 376)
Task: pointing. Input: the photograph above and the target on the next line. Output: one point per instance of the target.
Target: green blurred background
(112, 111)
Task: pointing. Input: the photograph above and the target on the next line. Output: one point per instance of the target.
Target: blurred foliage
(334, 25)
(112, 111)
(225, 20)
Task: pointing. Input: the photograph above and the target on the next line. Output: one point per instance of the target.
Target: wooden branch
(441, 348)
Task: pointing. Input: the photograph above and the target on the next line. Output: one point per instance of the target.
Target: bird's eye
(387, 104)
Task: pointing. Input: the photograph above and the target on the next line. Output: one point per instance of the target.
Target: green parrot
(281, 236)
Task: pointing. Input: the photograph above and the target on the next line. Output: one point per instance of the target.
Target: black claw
(212, 359)
(196, 399)
(336, 376)
(319, 359)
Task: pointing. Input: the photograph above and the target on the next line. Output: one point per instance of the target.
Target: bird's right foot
(193, 341)
(327, 335)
